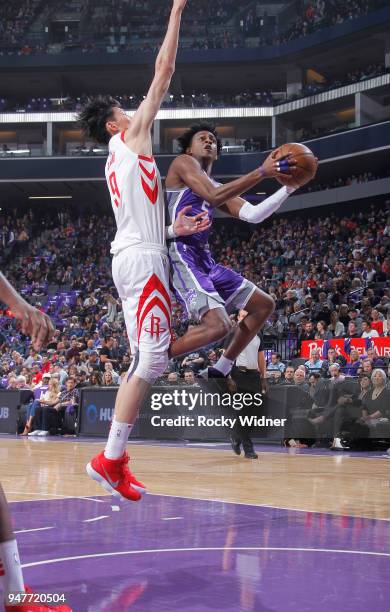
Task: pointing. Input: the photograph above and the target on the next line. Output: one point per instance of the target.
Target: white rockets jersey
(137, 197)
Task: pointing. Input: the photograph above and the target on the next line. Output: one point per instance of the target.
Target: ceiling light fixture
(66, 197)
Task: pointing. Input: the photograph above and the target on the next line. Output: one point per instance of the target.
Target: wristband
(170, 232)
(290, 189)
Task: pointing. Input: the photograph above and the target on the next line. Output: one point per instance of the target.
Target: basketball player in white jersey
(140, 264)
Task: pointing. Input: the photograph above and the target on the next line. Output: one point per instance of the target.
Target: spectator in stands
(69, 398)
(95, 379)
(386, 325)
(275, 377)
(336, 327)
(300, 380)
(38, 416)
(355, 318)
(376, 361)
(308, 332)
(40, 380)
(366, 367)
(112, 308)
(108, 367)
(189, 378)
(12, 382)
(335, 373)
(367, 331)
(108, 380)
(315, 362)
(377, 401)
(194, 361)
(298, 313)
(74, 349)
(276, 364)
(108, 352)
(333, 357)
(32, 357)
(288, 375)
(212, 357)
(90, 301)
(353, 330)
(365, 385)
(343, 316)
(173, 378)
(79, 237)
(322, 332)
(351, 368)
(314, 378)
(93, 361)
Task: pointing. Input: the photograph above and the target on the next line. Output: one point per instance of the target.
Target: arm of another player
(186, 226)
(142, 121)
(189, 172)
(34, 323)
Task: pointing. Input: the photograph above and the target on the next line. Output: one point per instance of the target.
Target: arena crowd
(328, 276)
(105, 26)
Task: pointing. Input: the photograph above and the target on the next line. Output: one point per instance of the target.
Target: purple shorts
(200, 284)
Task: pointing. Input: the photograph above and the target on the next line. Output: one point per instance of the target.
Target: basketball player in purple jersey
(208, 291)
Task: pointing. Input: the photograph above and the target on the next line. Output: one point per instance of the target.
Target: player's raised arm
(164, 69)
(188, 171)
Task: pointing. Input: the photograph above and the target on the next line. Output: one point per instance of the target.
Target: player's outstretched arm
(189, 172)
(34, 323)
(256, 213)
(164, 69)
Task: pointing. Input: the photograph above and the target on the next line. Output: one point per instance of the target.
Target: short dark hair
(185, 139)
(94, 115)
(315, 374)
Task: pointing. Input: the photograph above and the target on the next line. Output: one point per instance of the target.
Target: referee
(249, 376)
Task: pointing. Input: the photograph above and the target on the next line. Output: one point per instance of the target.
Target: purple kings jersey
(179, 199)
(199, 283)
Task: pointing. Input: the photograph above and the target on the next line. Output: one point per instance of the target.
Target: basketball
(307, 163)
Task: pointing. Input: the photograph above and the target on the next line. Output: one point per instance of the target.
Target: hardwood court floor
(336, 484)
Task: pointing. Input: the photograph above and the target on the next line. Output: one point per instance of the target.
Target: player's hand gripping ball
(305, 167)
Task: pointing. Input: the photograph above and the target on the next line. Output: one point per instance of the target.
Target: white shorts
(141, 277)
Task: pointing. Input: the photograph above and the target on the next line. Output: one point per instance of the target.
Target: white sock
(224, 365)
(10, 565)
(117, 439)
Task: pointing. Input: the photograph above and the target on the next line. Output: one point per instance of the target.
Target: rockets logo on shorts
(155, 328)
(154, 301)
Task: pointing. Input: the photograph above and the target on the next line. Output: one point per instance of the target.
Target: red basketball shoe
(115, 477)
(36, 607)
